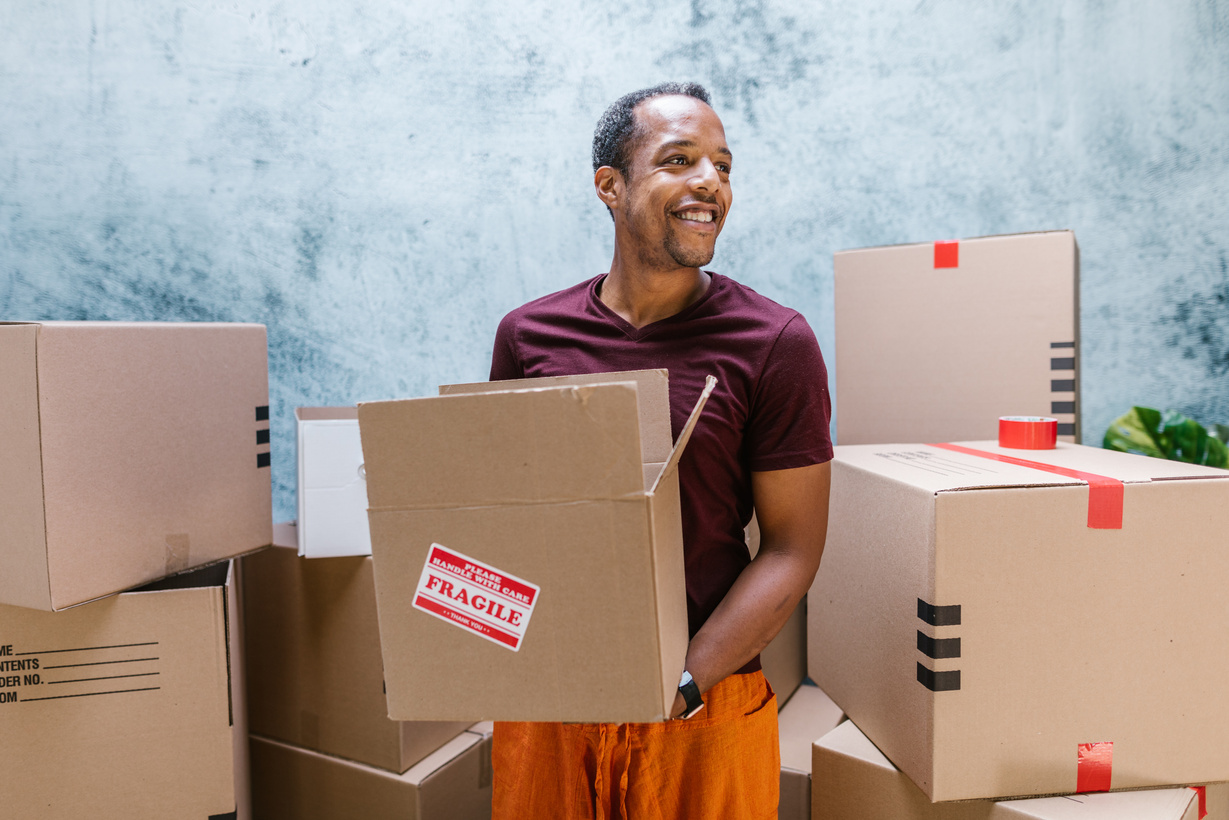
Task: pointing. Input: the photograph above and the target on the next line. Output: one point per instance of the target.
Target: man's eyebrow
(691, 144)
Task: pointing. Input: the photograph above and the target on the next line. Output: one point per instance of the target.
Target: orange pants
(723, 764)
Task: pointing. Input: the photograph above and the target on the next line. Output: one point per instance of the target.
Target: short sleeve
(788, 423)
(505, 364)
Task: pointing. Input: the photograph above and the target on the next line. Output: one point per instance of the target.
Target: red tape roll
(1028, 432)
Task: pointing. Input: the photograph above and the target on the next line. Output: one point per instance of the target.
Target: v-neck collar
(637, 334)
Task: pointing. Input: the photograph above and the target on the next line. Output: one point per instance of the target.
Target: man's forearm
(792, 507)
(750, 615)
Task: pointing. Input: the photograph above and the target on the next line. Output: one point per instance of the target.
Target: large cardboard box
(131, 706)
(936, 340)
(131, 452)
(315, 674)
(1010, 623)
(528, 550)
(332, 483)
(809, 715)
(854, 781)
(452, 783)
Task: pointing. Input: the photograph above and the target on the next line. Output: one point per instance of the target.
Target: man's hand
(792, 509)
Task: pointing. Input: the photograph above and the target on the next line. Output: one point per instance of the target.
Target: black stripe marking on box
(938, 681)
(938, 615)
(1062, 385)
(938, 647)
(1062, 364)
(1056, 345)
(262, 413)
(1066, 428)
(263, 460)
(262, 437)
(230, 815)
(1057, 407)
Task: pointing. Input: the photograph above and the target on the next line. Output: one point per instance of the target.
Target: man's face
(678, 190)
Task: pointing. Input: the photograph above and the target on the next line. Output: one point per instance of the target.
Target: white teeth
(696, 216)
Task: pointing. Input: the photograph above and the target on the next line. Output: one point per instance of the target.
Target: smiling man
(662, 167)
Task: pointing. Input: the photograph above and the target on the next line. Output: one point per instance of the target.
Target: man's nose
(706, 176)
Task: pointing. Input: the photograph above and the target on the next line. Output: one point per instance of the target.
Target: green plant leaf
(1149, 432)
(1136, 431)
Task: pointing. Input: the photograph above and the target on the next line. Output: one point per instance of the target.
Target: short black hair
(616, 130)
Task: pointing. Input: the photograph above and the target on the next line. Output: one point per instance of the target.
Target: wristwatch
(691, 696)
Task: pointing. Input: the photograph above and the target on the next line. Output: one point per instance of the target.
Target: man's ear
(609, 185)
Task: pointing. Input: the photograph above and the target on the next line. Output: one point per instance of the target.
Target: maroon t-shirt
(770, 409)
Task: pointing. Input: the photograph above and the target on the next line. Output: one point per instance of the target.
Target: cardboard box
(452, 783)
(122, 443)
(980, 631)
(854, 781)
(315, 675)
(935, 341)
(809, 715)
(131, 706)
(554, 505)
(332, 483)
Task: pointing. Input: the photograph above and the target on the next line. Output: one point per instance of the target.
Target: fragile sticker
(475, 596)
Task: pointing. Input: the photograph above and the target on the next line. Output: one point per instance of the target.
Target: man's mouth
(695, 216)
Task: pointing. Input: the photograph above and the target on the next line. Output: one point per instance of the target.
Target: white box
(332, 484)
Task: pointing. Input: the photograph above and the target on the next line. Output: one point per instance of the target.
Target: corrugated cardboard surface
(809, 715)
(1067, 634)
(548, 485)
(938, 354)
(123, 707)
(143, 433)
(854, 781)
(332, 484)
(453, 783)
(315, 676)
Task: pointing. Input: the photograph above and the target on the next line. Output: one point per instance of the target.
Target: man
(662, 168)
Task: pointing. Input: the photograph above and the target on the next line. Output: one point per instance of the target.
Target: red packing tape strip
(1095, 767)
(1202, 791)
(947, 254)
(1104, 493)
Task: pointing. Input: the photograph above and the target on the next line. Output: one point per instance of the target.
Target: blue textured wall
(380, 181)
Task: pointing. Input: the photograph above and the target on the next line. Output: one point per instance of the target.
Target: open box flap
(710, 383)
(529, 446)
(652, 398)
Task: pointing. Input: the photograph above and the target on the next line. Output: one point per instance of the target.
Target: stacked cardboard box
(132, 454)
(936, 340)
(322, 744)
(1009, 623)
(808, 715)
(293, 783)
(985, 628)
(854, 781)
(1004, 623)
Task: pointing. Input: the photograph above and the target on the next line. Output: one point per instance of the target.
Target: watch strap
(691, 695)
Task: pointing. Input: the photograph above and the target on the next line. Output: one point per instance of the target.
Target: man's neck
(642, 296)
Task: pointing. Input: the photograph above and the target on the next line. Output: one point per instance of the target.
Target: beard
(671, 244)
(687, 257)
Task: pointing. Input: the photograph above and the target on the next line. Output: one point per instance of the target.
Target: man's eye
(677, 161)
(723, 168)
